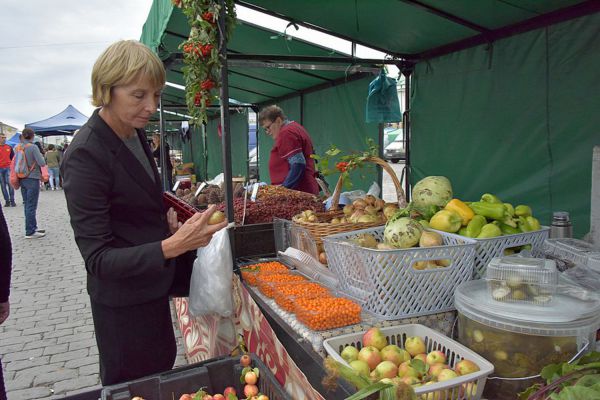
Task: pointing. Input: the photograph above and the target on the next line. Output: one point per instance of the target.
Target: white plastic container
(522, 280)
(520, 339)
(469, 386)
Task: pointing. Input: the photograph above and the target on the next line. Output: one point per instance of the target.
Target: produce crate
(494, 247)
(213, 375)
(386, 283)
(253, 241)
(451, 389)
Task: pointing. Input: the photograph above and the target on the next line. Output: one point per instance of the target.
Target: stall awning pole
(224, 93)
(407, 71)
(162, 161)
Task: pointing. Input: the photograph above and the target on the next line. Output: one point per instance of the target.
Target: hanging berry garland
(202, 70)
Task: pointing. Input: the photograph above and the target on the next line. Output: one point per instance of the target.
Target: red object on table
(183, 209)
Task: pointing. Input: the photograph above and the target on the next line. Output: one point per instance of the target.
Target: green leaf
(369, 390)
(334, 151)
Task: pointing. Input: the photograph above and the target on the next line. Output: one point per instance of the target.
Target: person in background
(132, 246)
(6, 155)
(53, 159)
(290, 164)
(30, 186)
(5, 271)
(163, 155)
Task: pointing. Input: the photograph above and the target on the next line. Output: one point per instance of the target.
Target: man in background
(6, 155)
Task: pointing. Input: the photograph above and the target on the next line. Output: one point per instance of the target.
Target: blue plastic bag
(382, 101)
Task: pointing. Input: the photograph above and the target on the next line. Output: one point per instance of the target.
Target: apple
(262, 397)
(410, 380)
(464, 367)
(468, 391)
(435, 357)
(229, 390)
(218, 396)
(361, 367)
(447, 374)
(184, 396)
(385, 369)
(414, 345)
(207, 397)
(405, 369)
(350, 353)
(422, 357)
(370, 355)
(394, 354)
(250, 390)
(245, 360)
(374, 337)
(216, 218)
(435, 369)
(437, 395)
(250, 378)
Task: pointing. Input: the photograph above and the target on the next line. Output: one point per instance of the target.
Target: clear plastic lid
(522, 270)
(567, 317)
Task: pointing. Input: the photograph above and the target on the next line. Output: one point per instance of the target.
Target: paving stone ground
(47, 345)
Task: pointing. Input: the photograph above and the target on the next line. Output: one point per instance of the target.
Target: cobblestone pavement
(47, 345)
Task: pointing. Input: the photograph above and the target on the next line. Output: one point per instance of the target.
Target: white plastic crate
(451, 389)
(494, 247)
(385, 282)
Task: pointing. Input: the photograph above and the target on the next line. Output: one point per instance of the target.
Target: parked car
(395, 151)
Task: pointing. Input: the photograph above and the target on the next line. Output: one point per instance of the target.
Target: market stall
(433, 118)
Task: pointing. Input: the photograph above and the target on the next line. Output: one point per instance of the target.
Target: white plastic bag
(210, 286)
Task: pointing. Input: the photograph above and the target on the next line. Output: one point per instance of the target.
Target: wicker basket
(323, 227)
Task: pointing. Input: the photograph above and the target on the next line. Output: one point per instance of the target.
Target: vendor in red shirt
(290, 164)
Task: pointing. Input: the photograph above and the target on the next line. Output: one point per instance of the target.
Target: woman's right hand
(194, 233)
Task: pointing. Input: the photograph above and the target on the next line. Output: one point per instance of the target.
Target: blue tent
(64, 123)
(14, 140)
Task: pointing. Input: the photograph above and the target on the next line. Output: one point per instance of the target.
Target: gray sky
(48, 48)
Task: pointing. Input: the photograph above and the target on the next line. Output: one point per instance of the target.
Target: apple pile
(380, 361)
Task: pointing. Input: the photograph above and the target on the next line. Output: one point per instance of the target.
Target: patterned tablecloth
(211, 336)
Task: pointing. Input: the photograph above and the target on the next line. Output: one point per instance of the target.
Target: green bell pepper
(489, 231)
(529, 224)
(489, 210)
(446, 220)
(490, 198)
(523, 211)
(474, 226)
(507, 229)
(463, 231)
(510, 209)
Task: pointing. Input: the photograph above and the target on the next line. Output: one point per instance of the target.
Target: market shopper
(6, 155)
(132, 247)
(53, 157)
(163, 154)
(290, 164)
(30, 186)
(5, 272)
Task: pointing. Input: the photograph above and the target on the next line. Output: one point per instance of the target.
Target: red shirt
(5, 152)
(293, 139)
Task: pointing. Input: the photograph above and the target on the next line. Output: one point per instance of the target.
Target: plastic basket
(214, 375)
(451, 389)
(385, 282)
(494, 247)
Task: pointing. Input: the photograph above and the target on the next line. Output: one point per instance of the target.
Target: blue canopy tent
(14, 140)
(64, 123)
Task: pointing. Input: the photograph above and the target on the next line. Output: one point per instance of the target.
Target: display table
(293, 352)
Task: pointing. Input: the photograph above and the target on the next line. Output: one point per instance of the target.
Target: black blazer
(118, 217)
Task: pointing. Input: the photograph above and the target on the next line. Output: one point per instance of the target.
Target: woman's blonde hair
(122, 63)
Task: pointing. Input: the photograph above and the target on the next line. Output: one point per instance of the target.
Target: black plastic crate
(253, 241)
(213, 375)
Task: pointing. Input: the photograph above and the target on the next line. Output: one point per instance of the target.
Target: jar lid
(472, 299)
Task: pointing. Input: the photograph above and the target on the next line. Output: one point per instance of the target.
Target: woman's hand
(193, 234)
(174, 224)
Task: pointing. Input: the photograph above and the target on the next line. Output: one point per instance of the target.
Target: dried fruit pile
(285, 295)
(250, 272)
(265, 282)
(327, 313)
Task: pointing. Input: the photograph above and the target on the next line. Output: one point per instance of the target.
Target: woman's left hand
(174, 224)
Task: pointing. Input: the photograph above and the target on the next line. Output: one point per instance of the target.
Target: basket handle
(386, 167)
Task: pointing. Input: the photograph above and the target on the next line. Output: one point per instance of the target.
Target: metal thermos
(561, 225)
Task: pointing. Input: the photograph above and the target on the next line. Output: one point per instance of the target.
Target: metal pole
(406, 127)
(161, 154)
(380, 143)
(224, 93)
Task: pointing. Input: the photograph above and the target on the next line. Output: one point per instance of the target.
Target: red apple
(250, 378)
(414, 345)
(245, 360)
(361, 367)
(385, 369)
(406, 370)
(410, 380)
(229, 390)
(394, 354)
(186, 397)
(446, 374)
(435, 357)
(218, 396)
(370, 355)
(207, 397)
(435, 369)
(250, 390)
(468, 391)
(374, 337)
(464, 367)
(422, 357)
(262, 397)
